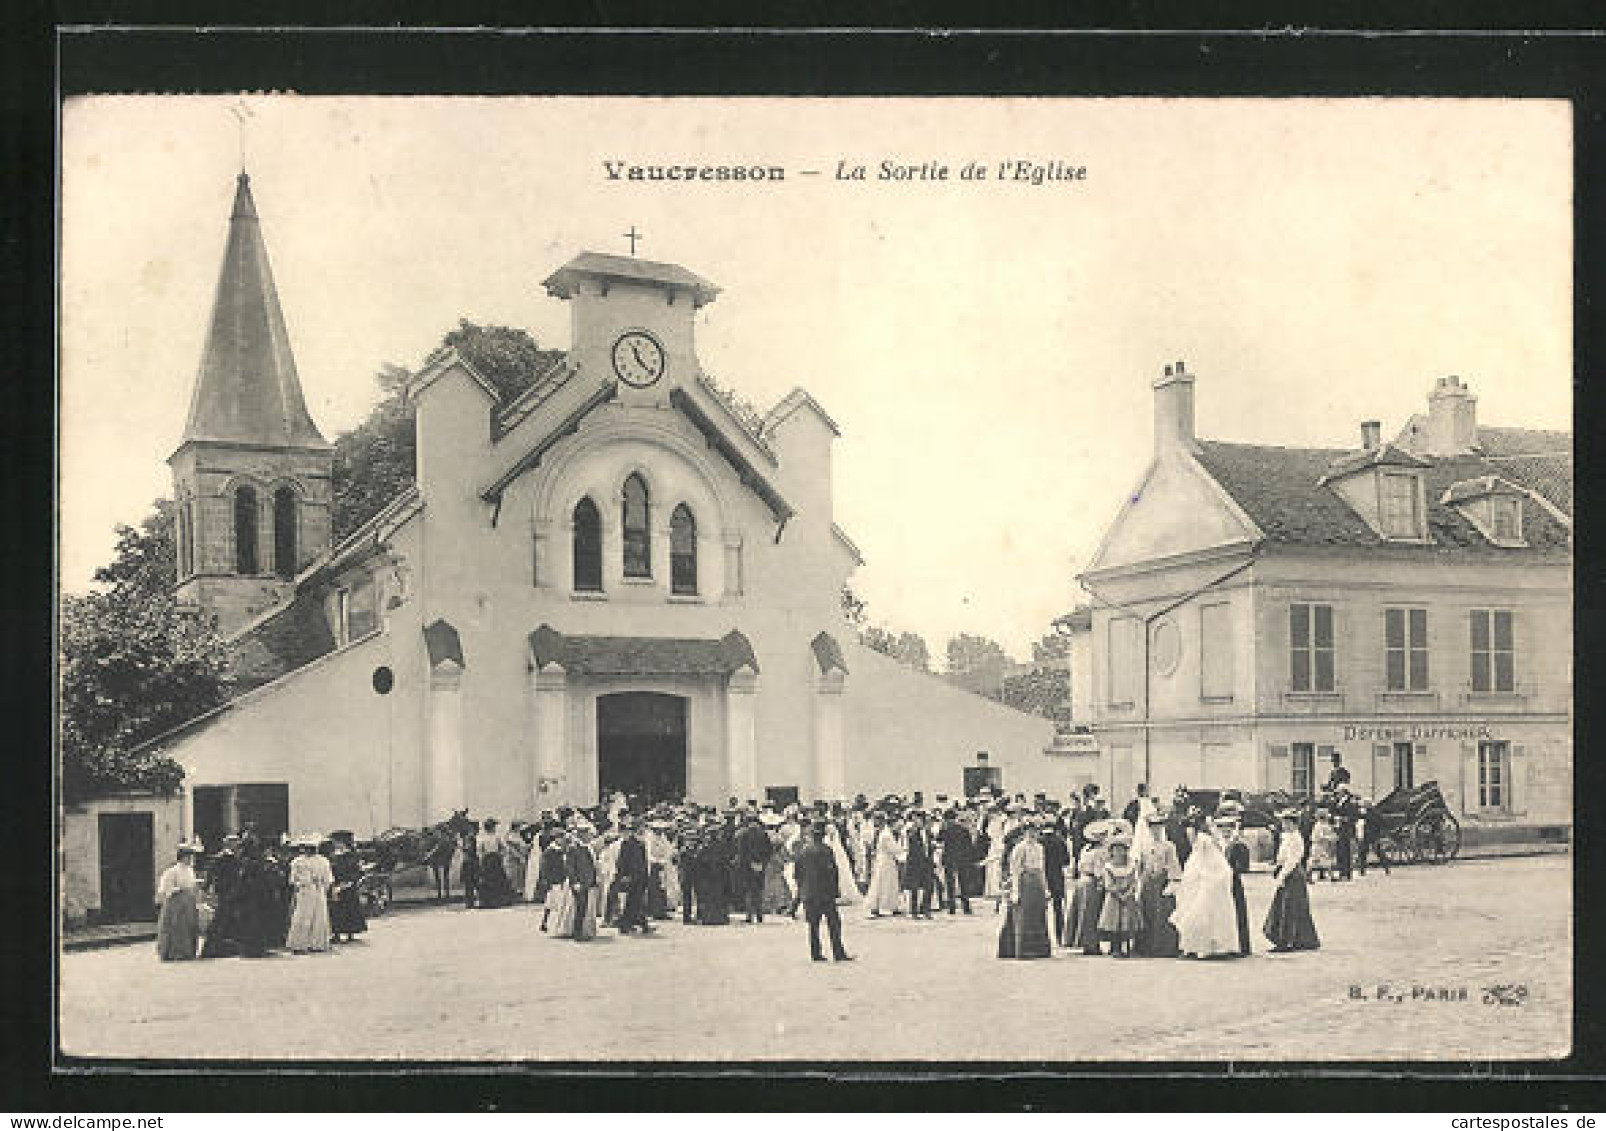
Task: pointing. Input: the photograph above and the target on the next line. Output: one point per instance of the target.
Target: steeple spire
(247, 390)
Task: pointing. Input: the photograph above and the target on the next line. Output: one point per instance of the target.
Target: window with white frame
(1405, 644)
(1401, 512)
(1505, 517)
(1302, 768)
(1493, 656)
(1310, 647)
(1494, 775)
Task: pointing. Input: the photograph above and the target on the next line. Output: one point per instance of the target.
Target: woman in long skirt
(847, 891)
(1121, 915)
(310, 880)
(1158, 872)
(1087, 899)
(1206, 922)
(776, 897)
(1025, 931)
(178, 928)
(885, 894)
(515, 859)
(346, 916)
(1289, 925)
(494, 890)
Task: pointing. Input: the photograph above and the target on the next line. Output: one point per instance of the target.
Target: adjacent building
(1405, 606)
(621, 578)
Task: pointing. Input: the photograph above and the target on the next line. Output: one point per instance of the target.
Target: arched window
(683, 552)
(587, 547)
(284, 532)
(245, 530)
(638, 539)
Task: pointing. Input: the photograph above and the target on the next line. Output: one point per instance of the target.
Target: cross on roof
(632, 235)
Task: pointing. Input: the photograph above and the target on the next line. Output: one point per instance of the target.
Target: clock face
(638, 358)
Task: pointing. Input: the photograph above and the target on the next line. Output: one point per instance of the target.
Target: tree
(132, 666)
(911, 649)
(505, 356)
(1041, 691)
(977, 664)
(1053, 646)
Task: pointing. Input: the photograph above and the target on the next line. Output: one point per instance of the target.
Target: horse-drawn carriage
(1416, 824)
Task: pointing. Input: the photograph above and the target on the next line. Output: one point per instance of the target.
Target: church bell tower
(251, 476)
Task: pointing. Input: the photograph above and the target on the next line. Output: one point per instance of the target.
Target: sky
(986, 346)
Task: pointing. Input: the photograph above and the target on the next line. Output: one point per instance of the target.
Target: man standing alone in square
(817, 882)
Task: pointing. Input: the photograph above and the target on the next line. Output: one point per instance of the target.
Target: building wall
(80, 847)
(909, 730)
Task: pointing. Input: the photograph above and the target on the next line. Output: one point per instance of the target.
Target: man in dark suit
(957, 852)
(1056, 858)
(817, 882)
(753, 849)
(919, 873)
(1238, 858)
(630, 873)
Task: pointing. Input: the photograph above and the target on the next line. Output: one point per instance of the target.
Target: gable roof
(247, 390)
(562, 282)
(1281, 489)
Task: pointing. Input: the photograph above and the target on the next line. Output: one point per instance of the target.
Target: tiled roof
(1548, 475)
(1281, 491)
(560, 284)
(1523, 441)
(641, 655)
(279, 644)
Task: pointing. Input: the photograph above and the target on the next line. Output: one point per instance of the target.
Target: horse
(433, 847)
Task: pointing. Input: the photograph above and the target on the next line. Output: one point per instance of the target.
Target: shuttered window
(1302, 768)
(1494, 775)
(1123, 660)
(1405, 638)
(1493, 654)
(1310, 647)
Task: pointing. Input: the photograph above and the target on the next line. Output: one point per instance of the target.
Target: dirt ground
(1412, 966)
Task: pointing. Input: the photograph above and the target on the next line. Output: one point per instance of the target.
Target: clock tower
(632, 321)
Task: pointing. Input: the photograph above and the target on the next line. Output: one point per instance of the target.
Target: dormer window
(1492, 505)
(1401, 510)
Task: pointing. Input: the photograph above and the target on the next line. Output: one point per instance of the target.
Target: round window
(384, 680)
(1167, 647)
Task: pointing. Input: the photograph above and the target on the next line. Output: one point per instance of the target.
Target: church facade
(622, 578)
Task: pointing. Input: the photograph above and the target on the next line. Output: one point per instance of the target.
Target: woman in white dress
(1142, 834)
(310, 880)
(996, 826)
(884, 896)
(847, 890)
(1206, 918)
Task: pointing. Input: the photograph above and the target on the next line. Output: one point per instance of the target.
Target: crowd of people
(300, 895)
(1156, 881)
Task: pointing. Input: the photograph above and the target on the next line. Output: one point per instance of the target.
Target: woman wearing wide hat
(310, 881)
(1289, 925)
(1082, 919)
(178, 927)
(1025, 930)
(1159, 871)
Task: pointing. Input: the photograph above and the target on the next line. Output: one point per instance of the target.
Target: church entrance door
(641, 745)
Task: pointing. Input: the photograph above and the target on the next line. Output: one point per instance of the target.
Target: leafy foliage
(377, 460)
(978, 664)
(132, 666)
(1041, 691)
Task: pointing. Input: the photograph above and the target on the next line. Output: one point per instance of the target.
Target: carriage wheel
(1436, 838)
(1393, 848)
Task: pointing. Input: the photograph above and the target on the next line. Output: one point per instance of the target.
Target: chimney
(1173, 409)
(1452, 418)
(1371, 434)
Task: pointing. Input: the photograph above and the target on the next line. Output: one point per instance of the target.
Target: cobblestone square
(1412, 966)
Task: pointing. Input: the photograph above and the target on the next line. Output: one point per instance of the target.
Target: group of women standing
(257, 905)
(1133, 895)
